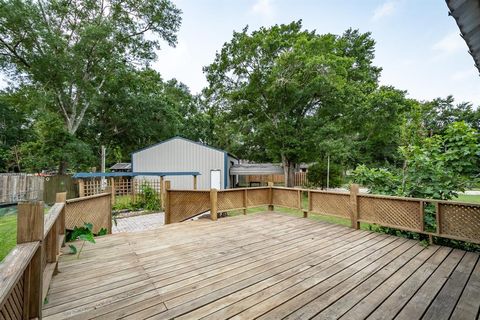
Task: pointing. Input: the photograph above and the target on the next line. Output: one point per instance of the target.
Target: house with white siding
(183, 155)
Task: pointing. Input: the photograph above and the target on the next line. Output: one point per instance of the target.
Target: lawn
(8, 231)
(468, 198)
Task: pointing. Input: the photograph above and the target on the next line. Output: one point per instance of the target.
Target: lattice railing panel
(93, 209)
(460, 220)
(331, 204)
(227, 200)
(390, 212)
(257, 197)
(13, 306)
(187, 204)
(286, 198)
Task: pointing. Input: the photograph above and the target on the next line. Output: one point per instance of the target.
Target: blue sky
(418, 44)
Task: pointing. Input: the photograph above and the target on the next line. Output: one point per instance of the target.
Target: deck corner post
(354, 188)
(30, 226)
(309, 204)
(270, 196)
(167, 202)
(213, 204)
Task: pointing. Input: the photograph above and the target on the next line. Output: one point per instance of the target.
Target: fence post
(81, 188)
(194, 182)
(112, 185)
(162, 193)
(61, 197)
(30, 228)
(309, 204)
(270, 196)
(109, 190)
(354, 205)
(213, 204)
(167, 202)
(245, 201)
(134, 184)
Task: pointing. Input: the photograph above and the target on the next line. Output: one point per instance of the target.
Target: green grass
(468, 198)
(8, 234)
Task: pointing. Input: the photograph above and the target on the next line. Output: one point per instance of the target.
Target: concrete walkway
(139, 223)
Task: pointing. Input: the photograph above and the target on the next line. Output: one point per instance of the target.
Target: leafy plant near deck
(84, 233)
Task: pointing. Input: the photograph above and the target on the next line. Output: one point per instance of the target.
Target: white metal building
(179, 154)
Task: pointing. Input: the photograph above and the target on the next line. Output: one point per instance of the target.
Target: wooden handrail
(13, 267)
(51, 217)
(106, 194)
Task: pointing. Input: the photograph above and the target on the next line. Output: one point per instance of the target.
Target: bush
(317, 175)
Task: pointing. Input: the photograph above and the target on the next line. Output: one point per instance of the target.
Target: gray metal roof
(246, 169)
(467, 16)
(121, 166)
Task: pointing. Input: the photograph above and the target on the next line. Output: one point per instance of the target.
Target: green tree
(278, 86)
(69, 50)
(437, 169)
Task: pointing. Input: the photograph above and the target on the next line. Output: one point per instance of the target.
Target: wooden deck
(267, 266)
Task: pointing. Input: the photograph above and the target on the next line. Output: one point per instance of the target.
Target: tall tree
(279, 85)
(68, 49)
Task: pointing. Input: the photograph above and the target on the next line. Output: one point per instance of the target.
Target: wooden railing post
(81, 188)
(309, 204)
(270, 196)
(61, 197)
(109, 190)
(245, 201)
(112, 185)
(354, 188)
(213, 204)
(162, 192)
(194, 182)
(30, 228)
(167, 203)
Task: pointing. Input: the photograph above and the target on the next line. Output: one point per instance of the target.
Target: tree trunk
(62, 167)
(289, 172)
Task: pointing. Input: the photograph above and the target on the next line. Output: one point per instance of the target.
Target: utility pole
(104, 181)
(328, 171)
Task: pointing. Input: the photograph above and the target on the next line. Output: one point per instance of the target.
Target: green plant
(148, 199)
(317, 175)
(84, 233)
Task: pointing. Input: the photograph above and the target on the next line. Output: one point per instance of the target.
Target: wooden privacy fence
(300, 179)
(26, 272)
(454, 220)
(16, 187)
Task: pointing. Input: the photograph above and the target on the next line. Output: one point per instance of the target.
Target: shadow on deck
(266, 265)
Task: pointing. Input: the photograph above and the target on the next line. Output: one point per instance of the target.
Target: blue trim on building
(225, 170)
(185, 139)
(132, 174)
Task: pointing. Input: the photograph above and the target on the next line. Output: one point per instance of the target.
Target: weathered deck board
(268, 265)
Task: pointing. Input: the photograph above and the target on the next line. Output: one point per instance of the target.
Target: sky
(418, 44)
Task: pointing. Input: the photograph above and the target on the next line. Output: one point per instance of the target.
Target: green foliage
(279, 86)
(439, 168)
(148, 198)
(85, 234)
(317, 175)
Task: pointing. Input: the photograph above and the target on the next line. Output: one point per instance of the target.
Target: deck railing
(26, 272)
(454, 220)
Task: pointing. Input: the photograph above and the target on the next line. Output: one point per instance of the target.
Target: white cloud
(449, 44)
(384, 10)
(263, 8)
